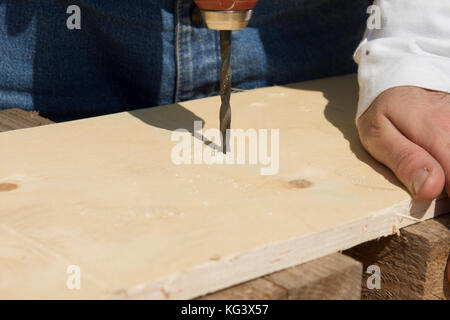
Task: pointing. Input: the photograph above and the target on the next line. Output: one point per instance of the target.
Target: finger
(427, 124)
(413, 166)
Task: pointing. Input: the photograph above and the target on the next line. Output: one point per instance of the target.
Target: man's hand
(408, 130)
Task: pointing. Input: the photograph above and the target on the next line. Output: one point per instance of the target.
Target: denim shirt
(142, 53)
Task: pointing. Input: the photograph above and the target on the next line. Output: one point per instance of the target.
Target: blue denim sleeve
(130, 55)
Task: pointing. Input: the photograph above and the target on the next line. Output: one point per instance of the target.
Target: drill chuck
(226, 14)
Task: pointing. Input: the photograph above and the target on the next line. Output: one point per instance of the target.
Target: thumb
(413, 165)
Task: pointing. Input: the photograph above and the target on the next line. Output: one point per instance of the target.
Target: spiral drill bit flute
(225, 88)
(226, 15)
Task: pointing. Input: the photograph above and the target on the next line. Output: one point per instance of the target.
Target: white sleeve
(412, 48)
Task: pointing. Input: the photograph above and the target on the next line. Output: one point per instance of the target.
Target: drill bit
(225, 88)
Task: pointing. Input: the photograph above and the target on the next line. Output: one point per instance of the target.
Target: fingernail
(448, 269)
(419, 180)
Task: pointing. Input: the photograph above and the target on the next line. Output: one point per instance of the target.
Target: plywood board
(310, 280)
(104, 195)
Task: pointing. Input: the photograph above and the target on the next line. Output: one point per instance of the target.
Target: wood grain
(103, 194)
(332, 277)
(412, 265)
(13, 119)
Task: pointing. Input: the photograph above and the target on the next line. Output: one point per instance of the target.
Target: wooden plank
(332, 277)
(258, 289)
(412, 265)
(12, 119)
(104, 194)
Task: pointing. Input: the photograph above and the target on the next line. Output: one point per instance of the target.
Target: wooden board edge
(216, 275)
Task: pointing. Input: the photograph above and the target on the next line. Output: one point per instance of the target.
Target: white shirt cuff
(410, 49)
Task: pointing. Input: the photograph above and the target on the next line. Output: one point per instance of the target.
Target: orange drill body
(226, 5)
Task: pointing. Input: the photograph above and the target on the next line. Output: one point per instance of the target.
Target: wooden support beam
(332, 277)
(12, 119)
(412, 265)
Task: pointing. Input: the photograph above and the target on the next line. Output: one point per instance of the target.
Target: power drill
(226, 15)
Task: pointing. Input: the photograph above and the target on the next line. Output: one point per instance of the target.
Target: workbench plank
(104, 194)
(328, 278)
(258, 289)
(13, 119)
(332, 277)
(412, 264)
